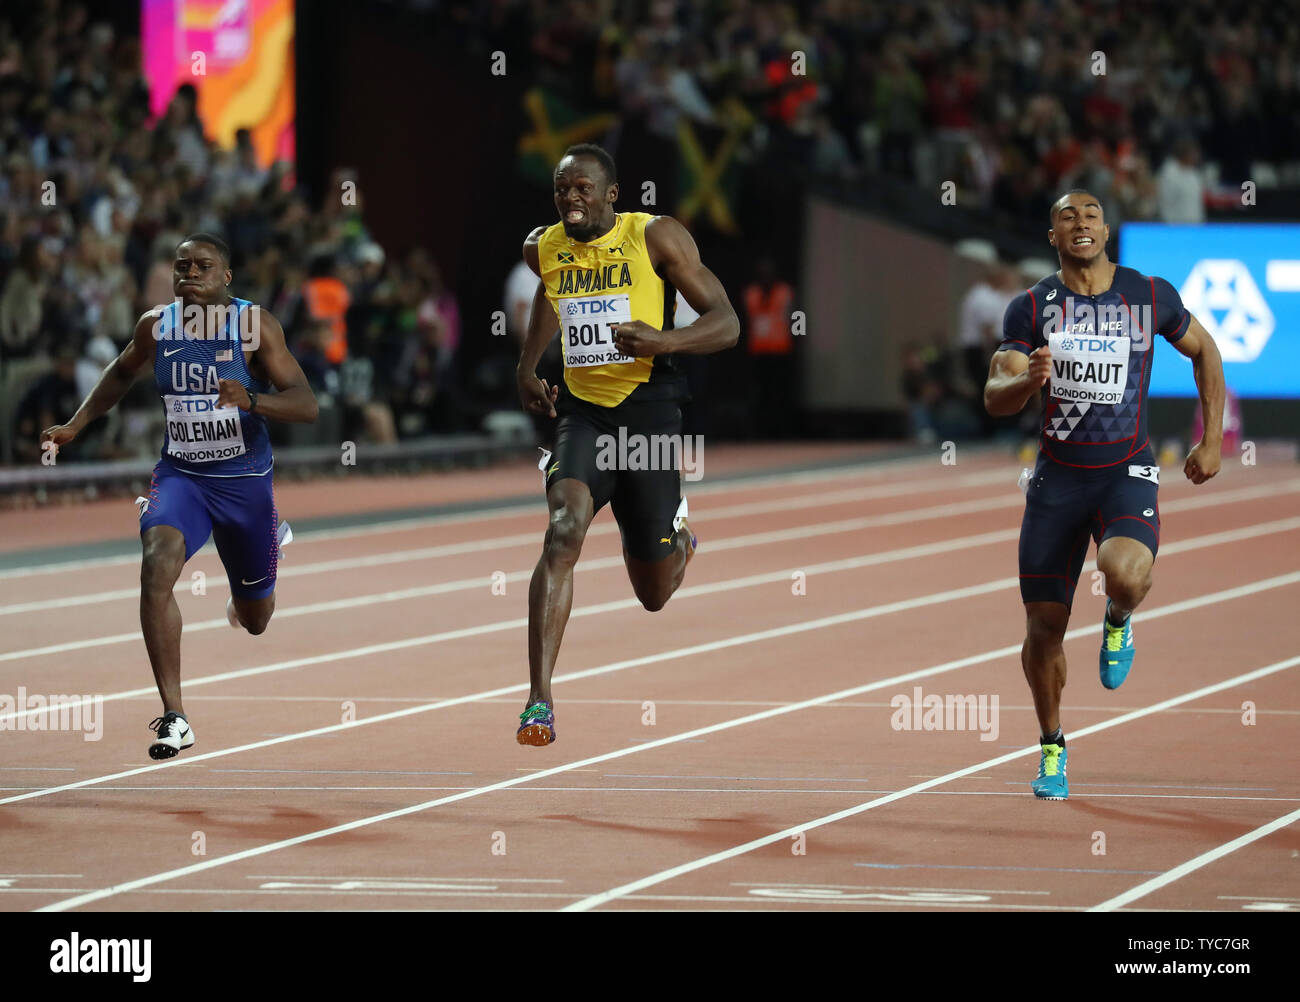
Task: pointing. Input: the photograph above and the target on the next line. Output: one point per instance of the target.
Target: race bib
(1089, 369)
(587, 329)
(1151, 473)
(198, 431)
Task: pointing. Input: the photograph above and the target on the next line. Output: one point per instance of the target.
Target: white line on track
(745, 508)
(1192, 865)
(389, 557)
(938, 548)
(1241, 591)
(852, 563)
(929, 549)
(871, 470)
(782, 791)
(595, 900)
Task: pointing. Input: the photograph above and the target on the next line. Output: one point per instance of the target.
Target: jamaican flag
(553, 126)
(706, 157)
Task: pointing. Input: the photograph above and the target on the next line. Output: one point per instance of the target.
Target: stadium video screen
(239, 56)
(1242, 281)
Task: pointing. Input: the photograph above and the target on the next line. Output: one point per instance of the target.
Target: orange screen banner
(238, 54)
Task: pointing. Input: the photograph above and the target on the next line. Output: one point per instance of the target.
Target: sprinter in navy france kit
(1085, 338)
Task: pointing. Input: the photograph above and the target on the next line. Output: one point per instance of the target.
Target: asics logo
(1050, 296)
(1148, 512)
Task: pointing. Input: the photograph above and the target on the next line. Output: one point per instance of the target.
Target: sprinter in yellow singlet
(609, 285)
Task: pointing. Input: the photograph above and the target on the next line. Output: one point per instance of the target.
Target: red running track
(736, 751)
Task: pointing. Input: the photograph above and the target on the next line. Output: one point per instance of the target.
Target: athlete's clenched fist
(1040, 365)
(1202, 463)
(233, 393)
(638, 339)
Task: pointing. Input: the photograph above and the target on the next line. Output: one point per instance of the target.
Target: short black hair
(210, 240)
(599, 154)
(1054, 211)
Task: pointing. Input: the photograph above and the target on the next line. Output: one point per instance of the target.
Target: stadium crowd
(1014, 101)
(95, 196)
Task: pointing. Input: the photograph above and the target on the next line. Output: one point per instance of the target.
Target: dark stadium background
(401, 96)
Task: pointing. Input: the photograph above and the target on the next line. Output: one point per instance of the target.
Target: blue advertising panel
(1242, 282)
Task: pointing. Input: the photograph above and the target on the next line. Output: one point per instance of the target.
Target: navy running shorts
(237, 512)
(1065, 505)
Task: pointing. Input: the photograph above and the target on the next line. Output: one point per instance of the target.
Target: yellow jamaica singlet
(593, 286)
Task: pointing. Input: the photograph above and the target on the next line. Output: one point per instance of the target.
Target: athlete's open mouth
(575, 216)
(1083, 241)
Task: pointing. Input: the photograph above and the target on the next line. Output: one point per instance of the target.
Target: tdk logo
(1088, 344)
(196, 405)
(596, 306)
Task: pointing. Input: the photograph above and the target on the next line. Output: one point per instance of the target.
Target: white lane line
(1175, 608)
(853, 563)
(831, 567)
(337, 605)
(534, 538)
(595, 900)
(938, 548)
(389, 876)
(1192, 865)
(741, 639)
(870, 470)
(688, 736)
(667, 789)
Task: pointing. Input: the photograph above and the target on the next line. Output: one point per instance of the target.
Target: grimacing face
(584, 198)
(1080, 231)
(199, 275)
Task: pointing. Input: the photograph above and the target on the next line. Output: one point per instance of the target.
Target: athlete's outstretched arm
(295, 401)
(1207, 366)
(113, 384)
(535, 394)
(1013, 378)
(676, 259)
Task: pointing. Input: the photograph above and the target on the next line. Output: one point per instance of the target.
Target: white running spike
(682, 515)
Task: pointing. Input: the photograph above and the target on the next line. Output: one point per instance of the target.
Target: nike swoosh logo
(169, 354)
(262, 578)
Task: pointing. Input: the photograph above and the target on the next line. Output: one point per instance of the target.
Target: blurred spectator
(936, 407)
(521, 287)
(327, 298)
(1180, 188)
(922, 392)
(52, 399)
(22, 301)
(980, 325)
(769, 341)
(899, 100)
